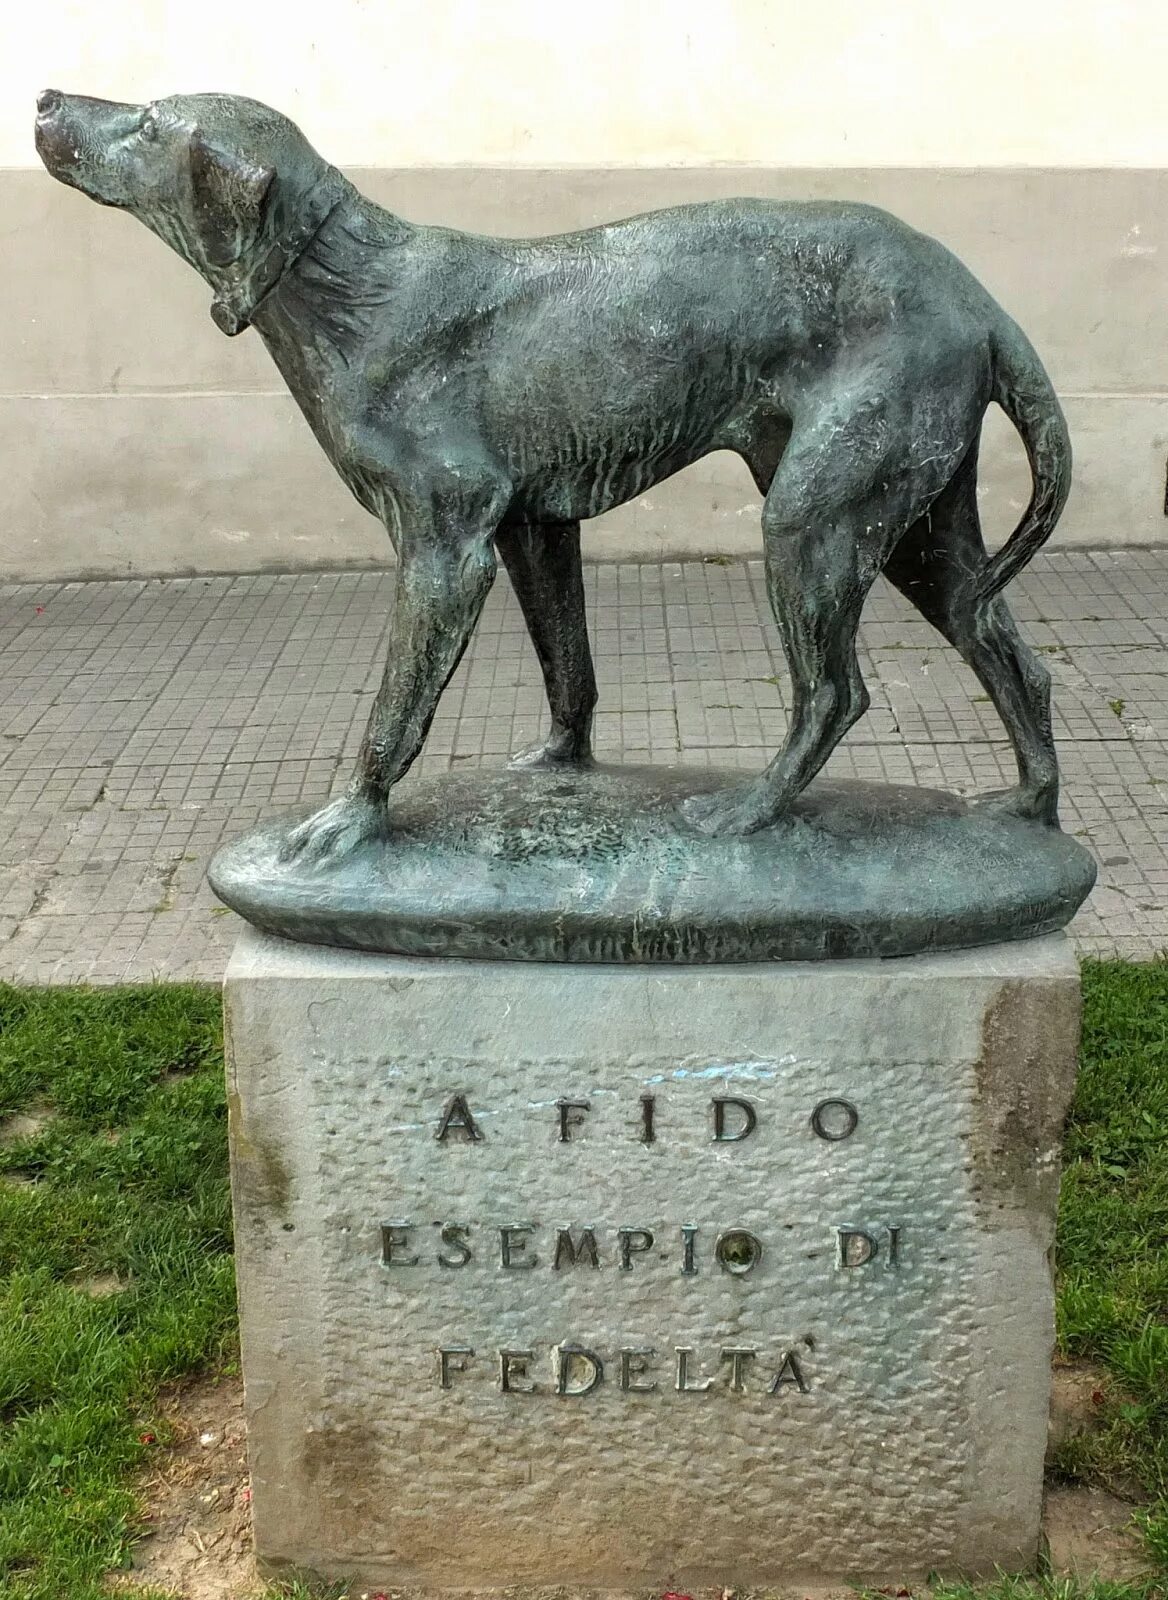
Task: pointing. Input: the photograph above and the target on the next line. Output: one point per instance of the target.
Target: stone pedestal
(621, 1277)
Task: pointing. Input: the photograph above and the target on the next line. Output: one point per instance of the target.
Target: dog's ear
(230, 193)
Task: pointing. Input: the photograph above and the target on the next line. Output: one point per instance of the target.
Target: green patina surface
(600, 864)
(483, 396)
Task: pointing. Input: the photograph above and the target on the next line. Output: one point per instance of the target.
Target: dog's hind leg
(849, 485)
(817, 581)
(936, 566)
(543, 562)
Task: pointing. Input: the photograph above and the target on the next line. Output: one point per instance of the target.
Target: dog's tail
(1024, 392)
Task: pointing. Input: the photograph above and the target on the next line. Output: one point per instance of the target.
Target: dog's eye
(149, 128)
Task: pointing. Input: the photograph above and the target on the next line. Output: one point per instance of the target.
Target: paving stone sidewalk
(142, 722)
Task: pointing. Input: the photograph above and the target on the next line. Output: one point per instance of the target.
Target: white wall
(1030, 135)
(653, 82)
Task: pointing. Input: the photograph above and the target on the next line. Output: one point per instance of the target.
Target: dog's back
(792, 282)
(597, 363)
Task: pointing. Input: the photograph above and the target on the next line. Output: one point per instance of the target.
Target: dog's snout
(48, 101)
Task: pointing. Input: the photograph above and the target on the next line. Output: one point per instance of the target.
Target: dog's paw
(336, 830)
(1032, 805)
(556, 751)
(744, 808)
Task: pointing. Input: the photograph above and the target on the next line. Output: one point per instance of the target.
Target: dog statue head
(231, 185)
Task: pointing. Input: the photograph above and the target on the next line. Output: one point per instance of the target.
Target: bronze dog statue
(482, 395)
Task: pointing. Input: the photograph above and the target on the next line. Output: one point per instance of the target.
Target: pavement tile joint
(144, 721)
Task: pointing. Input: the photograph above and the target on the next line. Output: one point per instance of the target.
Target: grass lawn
(116, 1272)
(1113, 1234)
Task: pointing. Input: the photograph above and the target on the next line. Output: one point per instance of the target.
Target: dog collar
(236, 303)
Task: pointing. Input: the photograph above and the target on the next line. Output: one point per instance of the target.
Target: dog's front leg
(445, 572)
(440, 593)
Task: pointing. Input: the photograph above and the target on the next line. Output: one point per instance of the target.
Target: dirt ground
(199, 1513)
(198, 1497)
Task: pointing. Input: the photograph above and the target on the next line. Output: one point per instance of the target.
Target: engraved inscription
(732, 1119)
(575, 1369)
(689, 1235)
(633, 1242)
(648, 1107)
(737, 1356)
(578, 1370)
(857, 1247)
(395, 1245)
(790, 1373)
(682, 1383)
(571, 1116)
(742, 1122)
(454, 1234)
(525, 1246)
(513, 1251)
(513, 1377)
(737, 1251)
(452, 1359)
(835, 1120)
(569, 1251)
(635, 1364)
(457, 1118)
